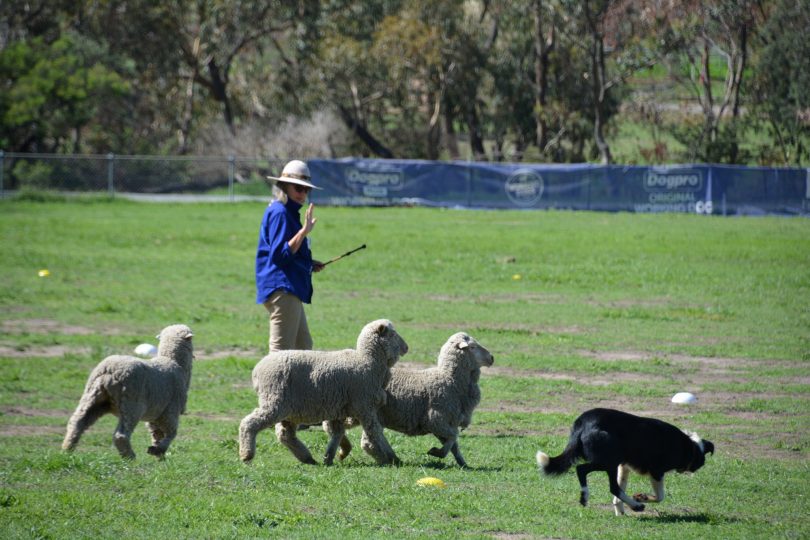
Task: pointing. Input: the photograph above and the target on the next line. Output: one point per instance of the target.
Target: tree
(617, 43)
(544, 31)
(53, 91)
(700, 32)
(783, 78)
(346, 76)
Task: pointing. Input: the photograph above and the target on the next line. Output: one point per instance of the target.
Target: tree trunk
(450, 139)
(434, 132)
(542, 48)
(476, 138)
(362, 133)
(188, 116)
(708, 99)
(219, 90)
(598, 86)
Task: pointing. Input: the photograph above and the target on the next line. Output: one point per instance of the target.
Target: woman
(284, 263)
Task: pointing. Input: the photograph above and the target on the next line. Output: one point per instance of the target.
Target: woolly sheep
(438, 400)
(304, 387)
(133, 390)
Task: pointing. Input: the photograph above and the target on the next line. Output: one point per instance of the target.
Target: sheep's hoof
(156, 451)
(583, 501)
(435, 452)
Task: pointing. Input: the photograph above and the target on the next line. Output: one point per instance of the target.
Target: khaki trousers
(288, 322)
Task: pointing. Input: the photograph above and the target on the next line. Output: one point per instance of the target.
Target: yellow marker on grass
(431, 482)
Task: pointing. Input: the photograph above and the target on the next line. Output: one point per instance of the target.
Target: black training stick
(344, 255)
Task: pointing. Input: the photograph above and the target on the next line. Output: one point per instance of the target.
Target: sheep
(438, 400)
(133, 390)
(303, 387)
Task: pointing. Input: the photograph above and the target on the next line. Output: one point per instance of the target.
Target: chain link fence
(227, 177)
(687, 188)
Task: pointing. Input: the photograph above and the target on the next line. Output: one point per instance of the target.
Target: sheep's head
(463, 350)
(174, 339)
(380, 337)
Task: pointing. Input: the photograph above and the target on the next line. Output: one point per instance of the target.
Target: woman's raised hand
(309, 220)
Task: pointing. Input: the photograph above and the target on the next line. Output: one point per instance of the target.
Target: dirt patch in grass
(591, 380)
(20, 430)
(254, 354)
(50, 326)
(45, 351)
(523, 328)
(13, 430)
(505, 298)
(17, 410)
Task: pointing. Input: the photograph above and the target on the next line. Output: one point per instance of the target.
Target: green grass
(617, 310)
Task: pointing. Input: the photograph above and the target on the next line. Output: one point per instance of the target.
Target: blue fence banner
(696, 189)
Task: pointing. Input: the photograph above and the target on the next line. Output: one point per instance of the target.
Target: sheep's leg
(457, 455)
(162, 436)
(448, 435)
(285, 432)
(126, 425)
(337, 432)
(375, 444)
(345, 448)
(345, 445)
(621, 479)
(84, 417)
(155, 432)
(250, 426)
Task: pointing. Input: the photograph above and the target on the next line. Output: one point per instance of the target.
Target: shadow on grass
(447, 466)
(699, 517)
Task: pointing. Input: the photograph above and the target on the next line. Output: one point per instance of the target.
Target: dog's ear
(708, 447)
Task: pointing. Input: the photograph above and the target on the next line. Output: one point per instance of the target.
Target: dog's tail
(554, 466)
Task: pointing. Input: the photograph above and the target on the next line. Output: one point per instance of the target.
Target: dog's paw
(435, 452)
(638, 508)
(155, 451)
(641, 497)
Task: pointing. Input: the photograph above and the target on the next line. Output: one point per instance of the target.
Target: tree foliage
(481, 79)
(783, 80)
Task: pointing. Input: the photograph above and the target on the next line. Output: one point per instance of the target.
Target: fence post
(2, 166)
(231, 168)
(468, 187)
(110, 174)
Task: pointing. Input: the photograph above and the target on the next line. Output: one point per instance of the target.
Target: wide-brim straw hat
(295, 172)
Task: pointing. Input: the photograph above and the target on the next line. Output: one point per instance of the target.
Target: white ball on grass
(683, 398)
(146, 349)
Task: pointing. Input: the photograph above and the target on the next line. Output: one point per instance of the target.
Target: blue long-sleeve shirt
(277, 267)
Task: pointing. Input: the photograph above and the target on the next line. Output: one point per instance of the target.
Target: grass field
(579, 309)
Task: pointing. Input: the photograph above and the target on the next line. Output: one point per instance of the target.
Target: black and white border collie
(617, 442)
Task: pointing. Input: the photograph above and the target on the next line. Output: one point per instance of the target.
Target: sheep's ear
(188, 335)
(157, 336)
(463, 345)
(383, 329)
